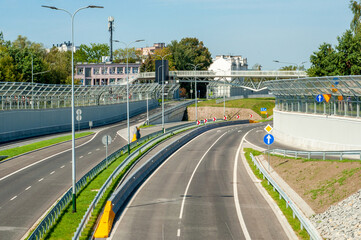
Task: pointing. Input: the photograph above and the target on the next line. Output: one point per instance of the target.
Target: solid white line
(45, 159)
(178, 232)
(62, 166)
(13, 198)
(52, 172)
(194, 171)
(235, 192)
(41, 179)
(27, 188)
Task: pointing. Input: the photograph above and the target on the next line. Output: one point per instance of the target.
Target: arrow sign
(319, 98)
(225, 117)
(237, 116)
(250, 115)
(198, 122)
(268, 139)
(205, 120)
(214, 119)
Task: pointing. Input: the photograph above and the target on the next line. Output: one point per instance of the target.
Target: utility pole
(110, 29)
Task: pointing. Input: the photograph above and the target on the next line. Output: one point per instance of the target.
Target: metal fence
(305, 223)
(316, 154)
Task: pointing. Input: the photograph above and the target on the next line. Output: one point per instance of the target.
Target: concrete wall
(317, 132)
(18, 124)
(174, 116)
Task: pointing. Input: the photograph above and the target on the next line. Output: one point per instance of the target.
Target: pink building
(150, 50)
(106, 73)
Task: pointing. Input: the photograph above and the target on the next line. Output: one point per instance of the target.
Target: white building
(63, 47)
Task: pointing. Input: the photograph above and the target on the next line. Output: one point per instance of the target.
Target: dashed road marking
(52, 172)
(81, 156)
(41, 179)
(89, 153)
(27, 188)
(13, 198)
(62, 166)
(178, 232)
(98, 149)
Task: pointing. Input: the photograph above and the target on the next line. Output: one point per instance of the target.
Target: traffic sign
(78, 117)
(198, 122)
(263, 110)
(320, 98)
(268, 139)
(78, 111)
(106, 139)
(327, 97)
(205, 120)
(268, 128)
(225, 117)
(250, 115)
(237, 116)
(214, 119)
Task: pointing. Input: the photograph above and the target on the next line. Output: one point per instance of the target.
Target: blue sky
(260, 30)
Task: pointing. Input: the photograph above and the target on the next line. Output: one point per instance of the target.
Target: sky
(259, 30)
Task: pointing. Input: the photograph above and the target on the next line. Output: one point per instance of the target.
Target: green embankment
(37, 145)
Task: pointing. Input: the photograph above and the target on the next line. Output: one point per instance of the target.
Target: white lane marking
(27, 188)
(81, 156)
(178, 232)
(97, 149)
(52, 172)
(235, 192)
(13, 198)
(194, 171)
(62, 166)
(239, 131)
(21, 169)
(89, 153)
(259, 131)
(41, 179)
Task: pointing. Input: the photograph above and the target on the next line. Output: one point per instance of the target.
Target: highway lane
(191, 196)
(29, 186)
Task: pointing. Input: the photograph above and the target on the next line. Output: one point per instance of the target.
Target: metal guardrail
(305, 223)
(340, 154)
(56, 211)
(220, 100)
(159, 136)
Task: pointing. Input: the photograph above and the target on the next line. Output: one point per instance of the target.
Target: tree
(190, 50)
(149, 64)
(120, 55)
(92, 53)
(289, 68)
(356, 10)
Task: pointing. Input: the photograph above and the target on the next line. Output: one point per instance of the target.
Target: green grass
(146, 126)
(33, 146)
(294, 222)
(250, 103)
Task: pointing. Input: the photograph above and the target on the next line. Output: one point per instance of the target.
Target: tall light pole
(127, 69)
(163, 129)
(72, 15)
(298, 65)
(195, 84)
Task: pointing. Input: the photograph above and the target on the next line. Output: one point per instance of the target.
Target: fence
(317, 154)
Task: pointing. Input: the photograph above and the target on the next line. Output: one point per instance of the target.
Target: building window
(80, 71)
(127, 70)
(104, 70)
(96, 71)
(119, 70)
(111, 80)
(135, 70)
(111, 70)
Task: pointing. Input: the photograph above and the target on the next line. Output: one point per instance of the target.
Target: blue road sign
(263, 109)
(268, 139)
(320, 98)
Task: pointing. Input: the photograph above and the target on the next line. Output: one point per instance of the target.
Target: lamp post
(195, 84)
(298, 65)
(72, 93)
(163, 89)
(127, 69)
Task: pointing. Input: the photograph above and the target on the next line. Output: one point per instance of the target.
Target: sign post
(268, 139)
(106, 140)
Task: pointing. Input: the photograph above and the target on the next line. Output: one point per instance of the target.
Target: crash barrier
(305, 223)
(316, 154)
(159, 136)
(127, 188)
(56, 211)
(156, 116)
(220, 100)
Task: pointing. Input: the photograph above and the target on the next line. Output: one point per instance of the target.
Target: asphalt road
(193, 195)
(30, 184)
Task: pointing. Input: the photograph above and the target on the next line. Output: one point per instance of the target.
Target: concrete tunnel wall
(19, 124)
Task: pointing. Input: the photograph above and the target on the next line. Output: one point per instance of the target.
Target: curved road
(202, 191)
(30, 184)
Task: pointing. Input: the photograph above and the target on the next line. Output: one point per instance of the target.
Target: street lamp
(127, 69)
(72, 92)
(298, 65)
(195, 84)
(163, 88)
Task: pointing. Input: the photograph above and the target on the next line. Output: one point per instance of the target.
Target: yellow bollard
(106, 222)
